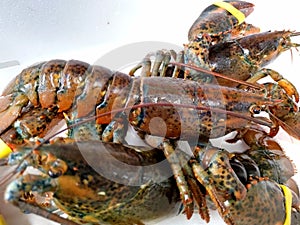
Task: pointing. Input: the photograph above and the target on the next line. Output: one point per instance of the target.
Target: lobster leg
(203, 178)
(182, 185)
(160, 66)
(211, 170)
(162, 59)
(289, 88)
(116, 130)
(199, 194)
(145, 64)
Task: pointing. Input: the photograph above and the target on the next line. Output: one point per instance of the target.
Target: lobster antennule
(293, 44)
(296, 33)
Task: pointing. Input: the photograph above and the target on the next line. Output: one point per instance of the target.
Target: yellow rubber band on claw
(2, 221)
(288, 204)
(234, 11)
(5, 150)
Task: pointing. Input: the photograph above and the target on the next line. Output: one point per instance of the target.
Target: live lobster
(110, 99)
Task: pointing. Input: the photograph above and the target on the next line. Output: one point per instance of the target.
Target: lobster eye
(285, 43)
(254, 109)
(54, 174)
(58, 168)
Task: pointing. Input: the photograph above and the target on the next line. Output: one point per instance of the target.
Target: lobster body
(94, 88)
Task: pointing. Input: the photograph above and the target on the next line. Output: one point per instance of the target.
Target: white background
(33, 31)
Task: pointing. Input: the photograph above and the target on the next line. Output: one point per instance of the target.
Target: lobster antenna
(292, 56)
(293, 34)
(199, 69)
(294, 45)
(9, 175)
(44, 213)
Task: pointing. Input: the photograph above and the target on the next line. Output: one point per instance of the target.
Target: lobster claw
(290, 89)
(209, 20)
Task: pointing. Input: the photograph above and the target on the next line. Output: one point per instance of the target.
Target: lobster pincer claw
(264, 194)
(289, 88)
(231, 13)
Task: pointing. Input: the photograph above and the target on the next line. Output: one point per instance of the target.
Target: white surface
(32, 31)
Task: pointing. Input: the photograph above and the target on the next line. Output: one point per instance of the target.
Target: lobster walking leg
(289, 88)
(182, 185)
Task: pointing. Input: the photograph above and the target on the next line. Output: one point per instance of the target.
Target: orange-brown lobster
(112, 97)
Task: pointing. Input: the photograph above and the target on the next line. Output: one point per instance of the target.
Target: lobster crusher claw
(234, 11)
